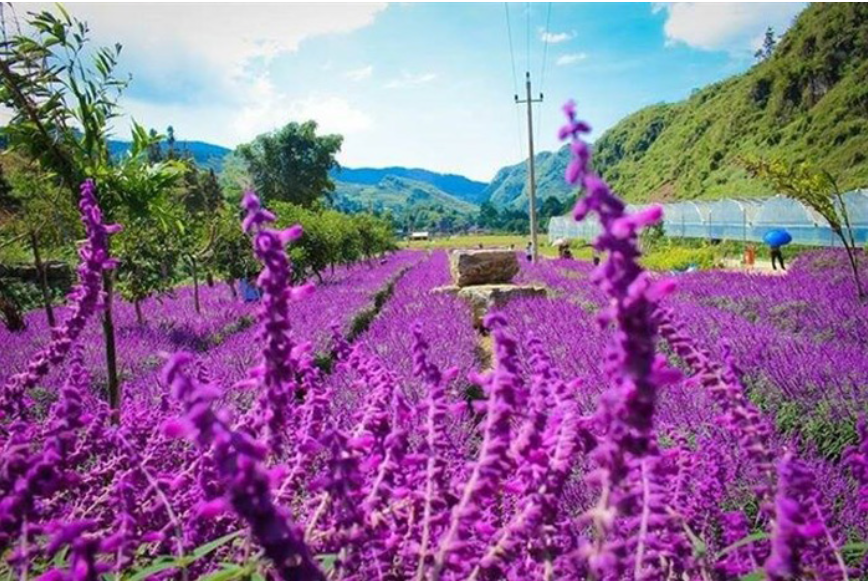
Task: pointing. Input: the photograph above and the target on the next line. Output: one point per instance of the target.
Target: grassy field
(664, 255)
(518, 242)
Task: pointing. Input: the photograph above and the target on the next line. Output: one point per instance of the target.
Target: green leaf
(858, 548)
(208, 548)
(755, 576)
(327, 561)
(742, 542)
(229, 571)
(157, 567)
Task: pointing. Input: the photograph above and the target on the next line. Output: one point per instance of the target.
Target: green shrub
(681, 258)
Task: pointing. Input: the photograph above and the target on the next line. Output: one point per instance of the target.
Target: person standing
(528, 251)
(777, 256)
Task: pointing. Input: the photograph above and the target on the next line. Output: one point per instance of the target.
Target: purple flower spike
(625, 413)
(85, 297)
(278, 369)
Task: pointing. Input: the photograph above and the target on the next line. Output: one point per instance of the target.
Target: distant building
(419, 236)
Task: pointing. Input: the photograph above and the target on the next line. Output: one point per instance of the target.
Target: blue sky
(423, 85)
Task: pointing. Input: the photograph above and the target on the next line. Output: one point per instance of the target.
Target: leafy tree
(39, 214)
(63, 97)
(818, 190)
(148, 254)
(170, 142)
(768, 47)
(489, 217)
(550, 207)
(231, 255)
(150, 243)
(234, 179)
(155, 152)
(292, 164)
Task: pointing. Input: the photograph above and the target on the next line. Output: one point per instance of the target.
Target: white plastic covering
(735, 219)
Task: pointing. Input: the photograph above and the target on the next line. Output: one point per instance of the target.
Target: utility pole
(531, 178)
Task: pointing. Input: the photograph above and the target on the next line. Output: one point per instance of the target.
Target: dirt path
(760, 267)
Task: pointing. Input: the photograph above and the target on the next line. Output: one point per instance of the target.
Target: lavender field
(626, 426)
(265, 361)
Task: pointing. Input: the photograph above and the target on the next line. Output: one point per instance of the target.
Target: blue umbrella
(778, 237)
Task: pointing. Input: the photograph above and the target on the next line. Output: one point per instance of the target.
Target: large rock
(484, 297)
(475, 267)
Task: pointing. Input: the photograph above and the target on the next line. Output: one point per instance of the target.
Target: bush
(681, 258)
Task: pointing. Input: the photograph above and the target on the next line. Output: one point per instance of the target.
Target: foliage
(292, 164)
(36, 204)
(679, 258)
(506, 220)
(230, 254)
(817, 190)
(807, 102)
(148, 259)
(61, 100)
(768, 47)
(331, 238)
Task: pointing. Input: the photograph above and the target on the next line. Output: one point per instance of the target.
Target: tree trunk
(12, 317)
(195, 285)
(43, 280)
(209, 278)
(232, 289)
(140, 318)
(108, 328)
(854, 264)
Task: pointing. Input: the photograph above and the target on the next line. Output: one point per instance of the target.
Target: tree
(39, 213)
(231, 254)
(818, 190)
(489, 217)
(147, 251)
(155, 153)
(170, 142)
(768, 47)
(63, 96)
(292, 164)
(550, 207)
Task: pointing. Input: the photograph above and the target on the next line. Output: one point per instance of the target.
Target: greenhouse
(740, 219)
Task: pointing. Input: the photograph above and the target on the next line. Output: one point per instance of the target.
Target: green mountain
(399, 196)
(457, 186)
(807, 102)
(508, 189)
(206, 155)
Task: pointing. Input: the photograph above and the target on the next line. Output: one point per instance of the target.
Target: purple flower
(625, 413)
(85, 298)
(239, 461)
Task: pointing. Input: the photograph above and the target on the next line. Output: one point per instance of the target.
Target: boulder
(486, 296)
(480, 267)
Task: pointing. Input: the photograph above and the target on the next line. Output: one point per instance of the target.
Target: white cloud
(732, 27)
(569, 59)
(197, 63)
(556, 37)
(268, 108)
(360, 74)
(228, 43)
(408, 80)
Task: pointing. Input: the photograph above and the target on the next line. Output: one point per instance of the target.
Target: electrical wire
(514, 79)
(542, 76)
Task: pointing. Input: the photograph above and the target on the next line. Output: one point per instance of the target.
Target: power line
(542, 76)
(527, 16)
(514, 80)
(511, 51)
